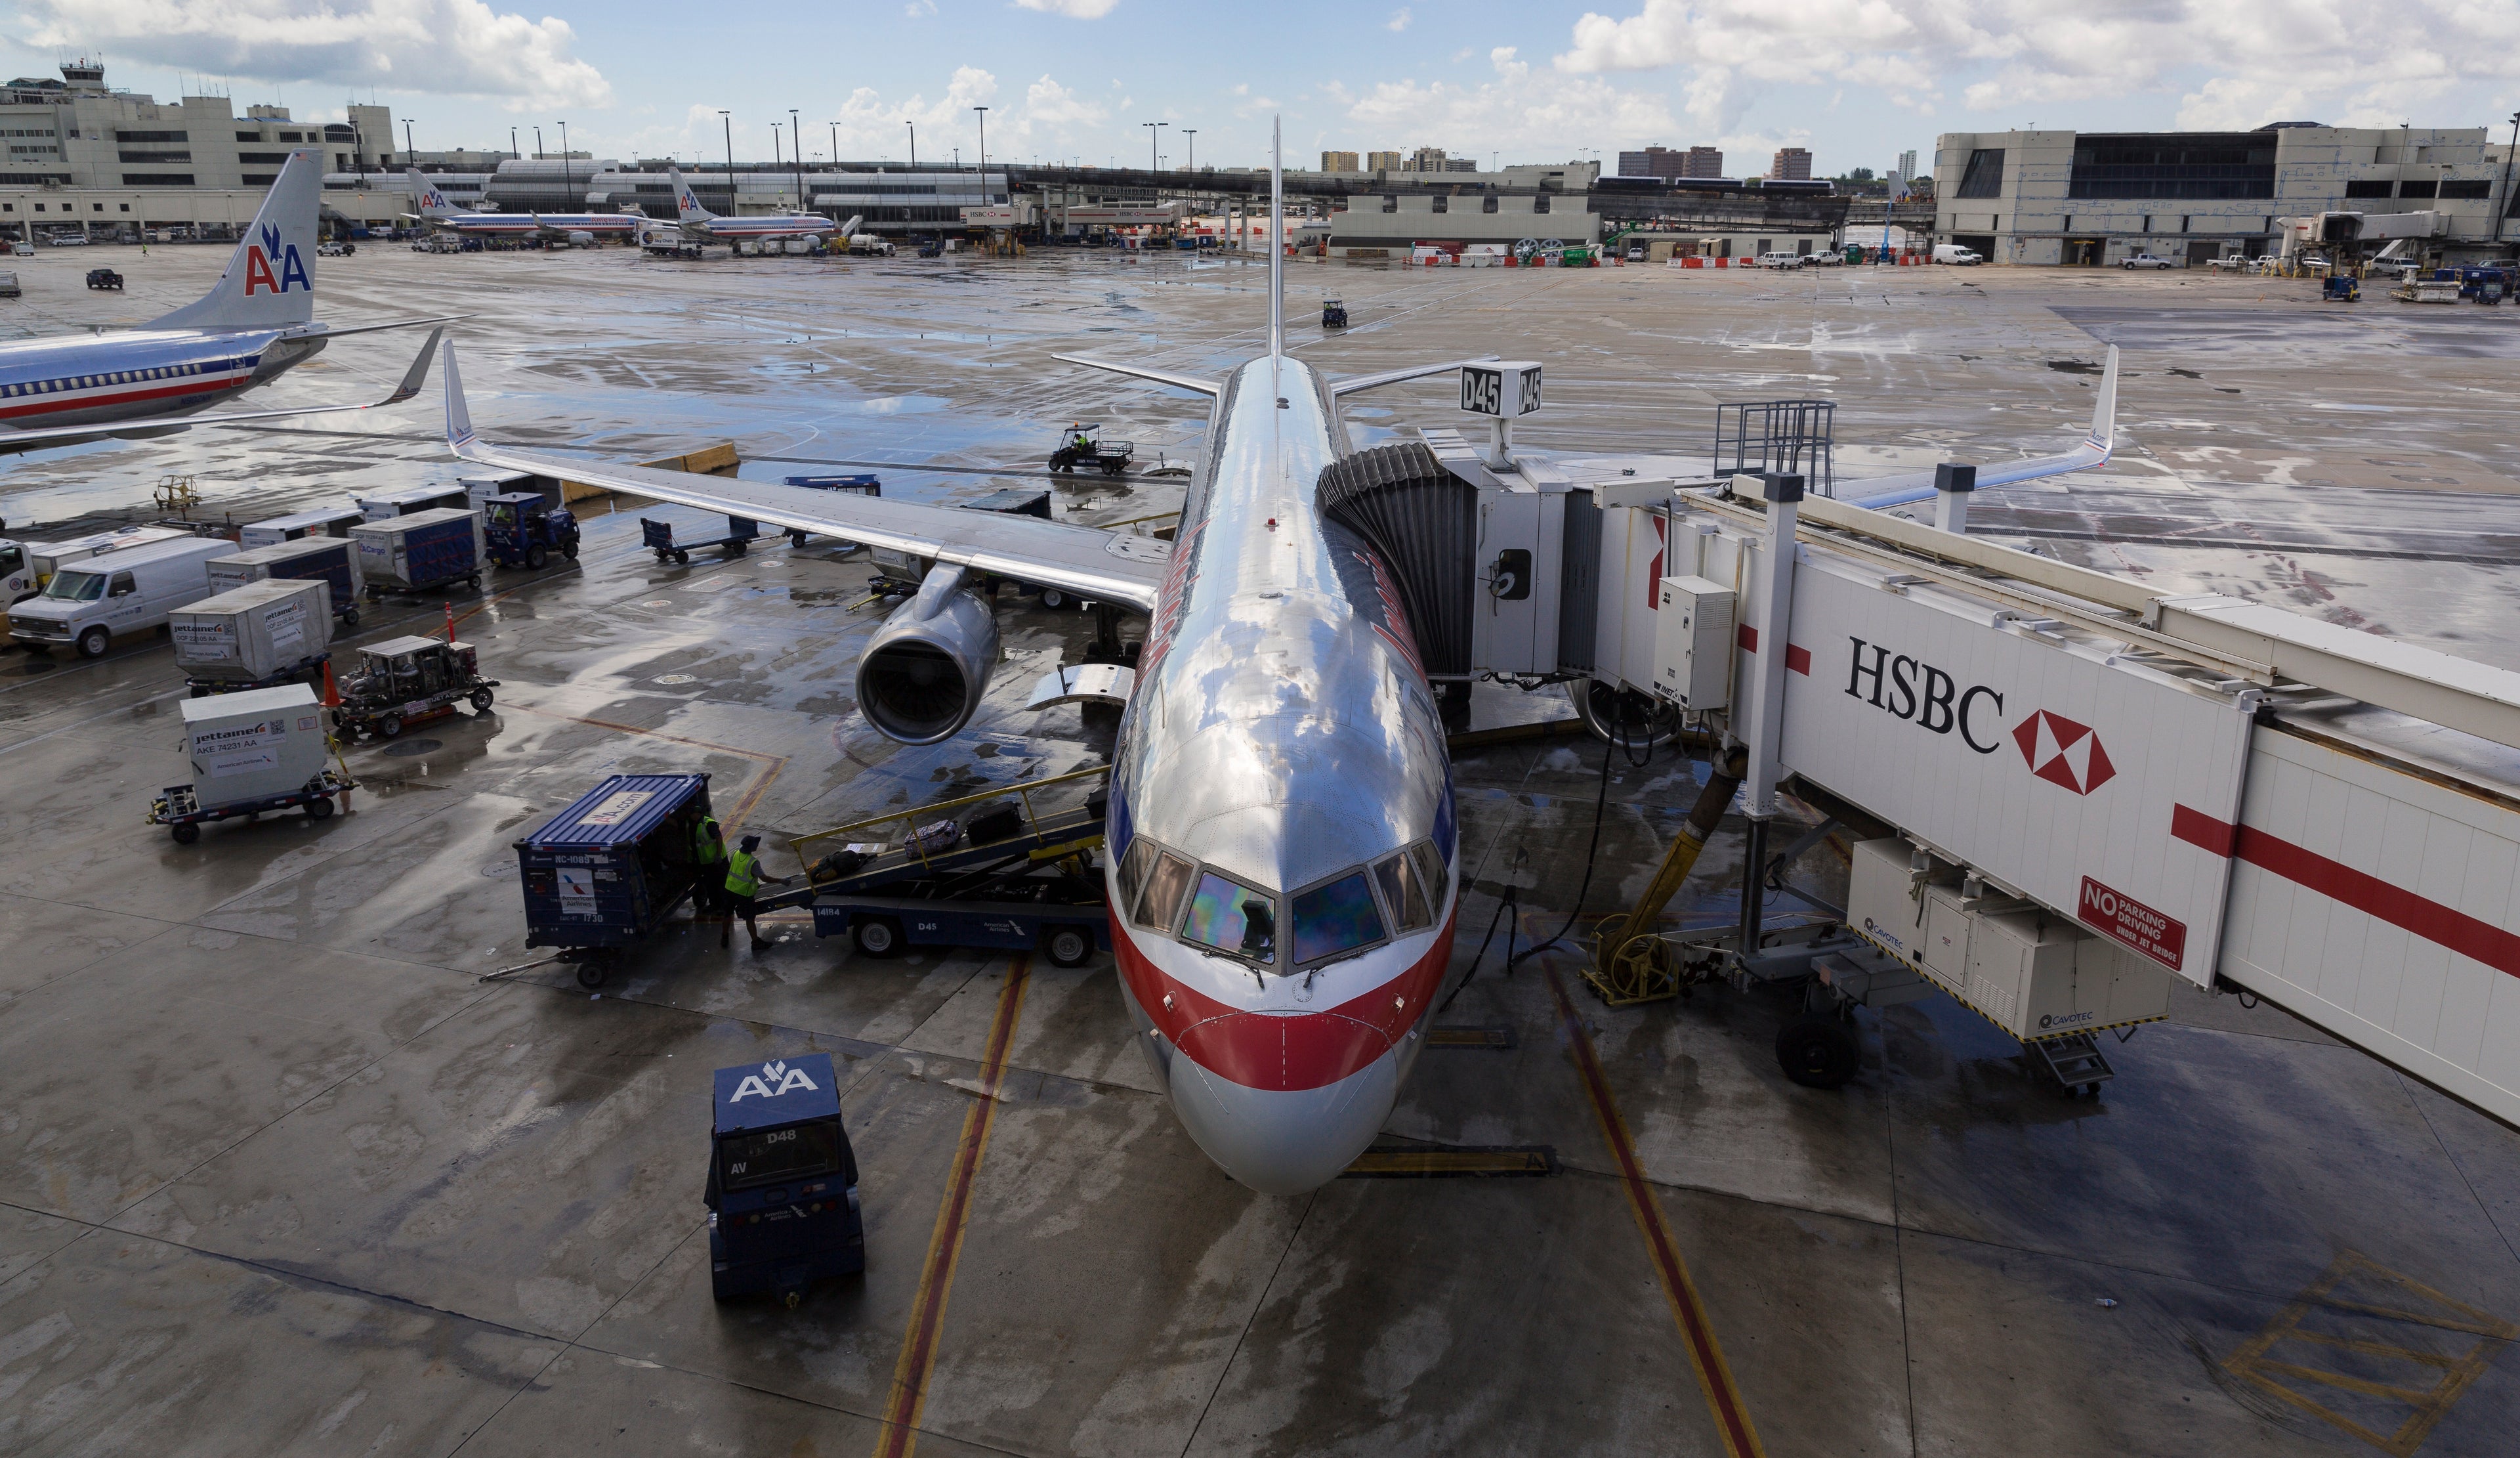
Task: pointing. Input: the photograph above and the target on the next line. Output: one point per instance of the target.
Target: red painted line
(1282, 1052)
(2441, 925)
(918, 1360)
(52, 404)
(1714, 1375)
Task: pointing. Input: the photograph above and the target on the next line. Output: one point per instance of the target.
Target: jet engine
(924, 671)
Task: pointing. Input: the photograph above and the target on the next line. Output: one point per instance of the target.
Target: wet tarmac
(279, 1173)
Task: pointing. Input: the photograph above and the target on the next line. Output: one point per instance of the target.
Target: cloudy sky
(1857, 81)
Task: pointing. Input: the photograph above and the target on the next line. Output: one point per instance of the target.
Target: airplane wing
(335, 332)
(1088, 560)
(1160, 376)
(412, 379)
(1353, 384)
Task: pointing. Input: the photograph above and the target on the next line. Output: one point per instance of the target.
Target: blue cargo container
(420, 552)
(602, 875)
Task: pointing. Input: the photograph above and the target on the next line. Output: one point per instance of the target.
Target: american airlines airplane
(1285, 858)
(431, 207)
(255, 322)
(700, 222)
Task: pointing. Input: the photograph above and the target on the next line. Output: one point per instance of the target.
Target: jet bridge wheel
(1819, 1050)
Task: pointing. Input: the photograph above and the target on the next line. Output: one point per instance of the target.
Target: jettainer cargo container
(251, 753)
(332, 561)
(253, 635)
(424, 550)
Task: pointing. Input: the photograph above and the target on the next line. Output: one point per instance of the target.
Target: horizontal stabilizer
(1353, 384)
(1884, 492)
(1145, 372)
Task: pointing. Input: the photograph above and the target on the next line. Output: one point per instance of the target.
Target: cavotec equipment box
(2030, 971)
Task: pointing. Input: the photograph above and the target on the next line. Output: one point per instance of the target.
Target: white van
(1953, 252)
(89, 601)
(1781, 259)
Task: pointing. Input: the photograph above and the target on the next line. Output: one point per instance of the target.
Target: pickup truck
(2145, 261)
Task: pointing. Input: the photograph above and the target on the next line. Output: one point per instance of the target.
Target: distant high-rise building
(1791, 165)
(1703, 161)
(1430, 160)
(1653, 161)
(1908, 163)
(1460, 165)
(1385, 162)
(1338, 161)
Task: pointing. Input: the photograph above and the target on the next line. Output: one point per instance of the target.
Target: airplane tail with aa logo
(427, 201)
(687, 204)
(270, 282)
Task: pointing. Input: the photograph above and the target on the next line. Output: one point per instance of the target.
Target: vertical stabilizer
(1277, 244)
(687, 204)
(428, 203)
(270, 281)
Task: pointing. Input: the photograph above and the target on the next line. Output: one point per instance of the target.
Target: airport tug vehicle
(782, 1182)
(405, 681)
(526, 530)
(1082, 447)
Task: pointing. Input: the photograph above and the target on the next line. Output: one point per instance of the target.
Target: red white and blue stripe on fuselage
(126, 377)
(785, 225)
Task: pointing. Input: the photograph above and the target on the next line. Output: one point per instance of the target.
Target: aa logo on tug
(2056, 749)
(269, 266)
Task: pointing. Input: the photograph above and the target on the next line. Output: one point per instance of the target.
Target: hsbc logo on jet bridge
(2043, 762)
(2056, 749)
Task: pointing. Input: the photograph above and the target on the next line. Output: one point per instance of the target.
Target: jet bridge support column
(1762, 695)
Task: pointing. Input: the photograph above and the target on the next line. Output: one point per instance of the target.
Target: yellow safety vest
(706, 848)
(742, 874)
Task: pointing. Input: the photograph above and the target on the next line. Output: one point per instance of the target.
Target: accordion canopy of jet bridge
(2324, 817)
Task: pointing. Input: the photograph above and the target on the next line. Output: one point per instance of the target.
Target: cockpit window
(1232, 918)
(1336, 917)
(1405, 889)
(1165, 885)
(1133, 871)
(1430, 865)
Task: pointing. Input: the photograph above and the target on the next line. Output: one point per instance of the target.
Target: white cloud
(1074, 9)
(1399, 20)
(1544, 116)
(440, 47)
(920, 10)
(2341, 60)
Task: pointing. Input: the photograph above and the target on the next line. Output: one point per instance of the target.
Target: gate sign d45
(1504, 388)
(2037, 761)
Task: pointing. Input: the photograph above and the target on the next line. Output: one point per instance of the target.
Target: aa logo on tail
(268, 265)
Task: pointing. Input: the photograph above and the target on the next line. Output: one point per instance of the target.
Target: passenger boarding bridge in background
(2073, 795)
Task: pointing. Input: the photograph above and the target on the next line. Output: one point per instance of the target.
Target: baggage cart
(252, 753)
(658, 537)
(608, 871)
(1012, 869)
(410, 680)
(421, 552)
(862, 484)
(782, 1182)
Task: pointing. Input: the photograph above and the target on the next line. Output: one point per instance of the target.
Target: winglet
(2104, 410)
(459, 417)
(418, 375)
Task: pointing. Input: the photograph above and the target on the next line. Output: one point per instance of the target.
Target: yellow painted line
(918, 1360)
(1714, 1374)
(1430, 1163)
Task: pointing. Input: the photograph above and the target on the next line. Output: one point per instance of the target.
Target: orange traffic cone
(332, 691)
(450, 622)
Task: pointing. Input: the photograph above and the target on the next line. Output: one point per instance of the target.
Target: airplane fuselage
(1281, 744)
(107, 378)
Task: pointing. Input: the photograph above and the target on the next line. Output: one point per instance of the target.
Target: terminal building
(2098, 199)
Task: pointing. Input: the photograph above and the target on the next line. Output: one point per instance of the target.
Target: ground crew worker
(742, 877)
(708, 872)
(1084, 442)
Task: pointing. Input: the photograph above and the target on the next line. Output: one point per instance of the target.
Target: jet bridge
(2075, 792)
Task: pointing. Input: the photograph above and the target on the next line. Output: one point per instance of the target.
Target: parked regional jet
(701, 222)
(255, 322)
(1284, 859)
(431, 207)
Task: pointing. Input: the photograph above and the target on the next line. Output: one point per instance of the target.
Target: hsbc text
(1923, 695)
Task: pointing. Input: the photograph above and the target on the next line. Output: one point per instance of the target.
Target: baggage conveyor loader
(1012, 869)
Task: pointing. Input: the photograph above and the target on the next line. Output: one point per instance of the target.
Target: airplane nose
(1283, 1142)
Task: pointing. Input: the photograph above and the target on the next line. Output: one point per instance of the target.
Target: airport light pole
(1192, 132)
(407, 148)
(984, 155)
(1151, 128)
(565, 187)
(2505, 210)
(797, 135)
(730, 160)
(913, 145)
(512, 153)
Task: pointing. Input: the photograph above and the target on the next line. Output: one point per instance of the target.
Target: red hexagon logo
(2064, 752)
